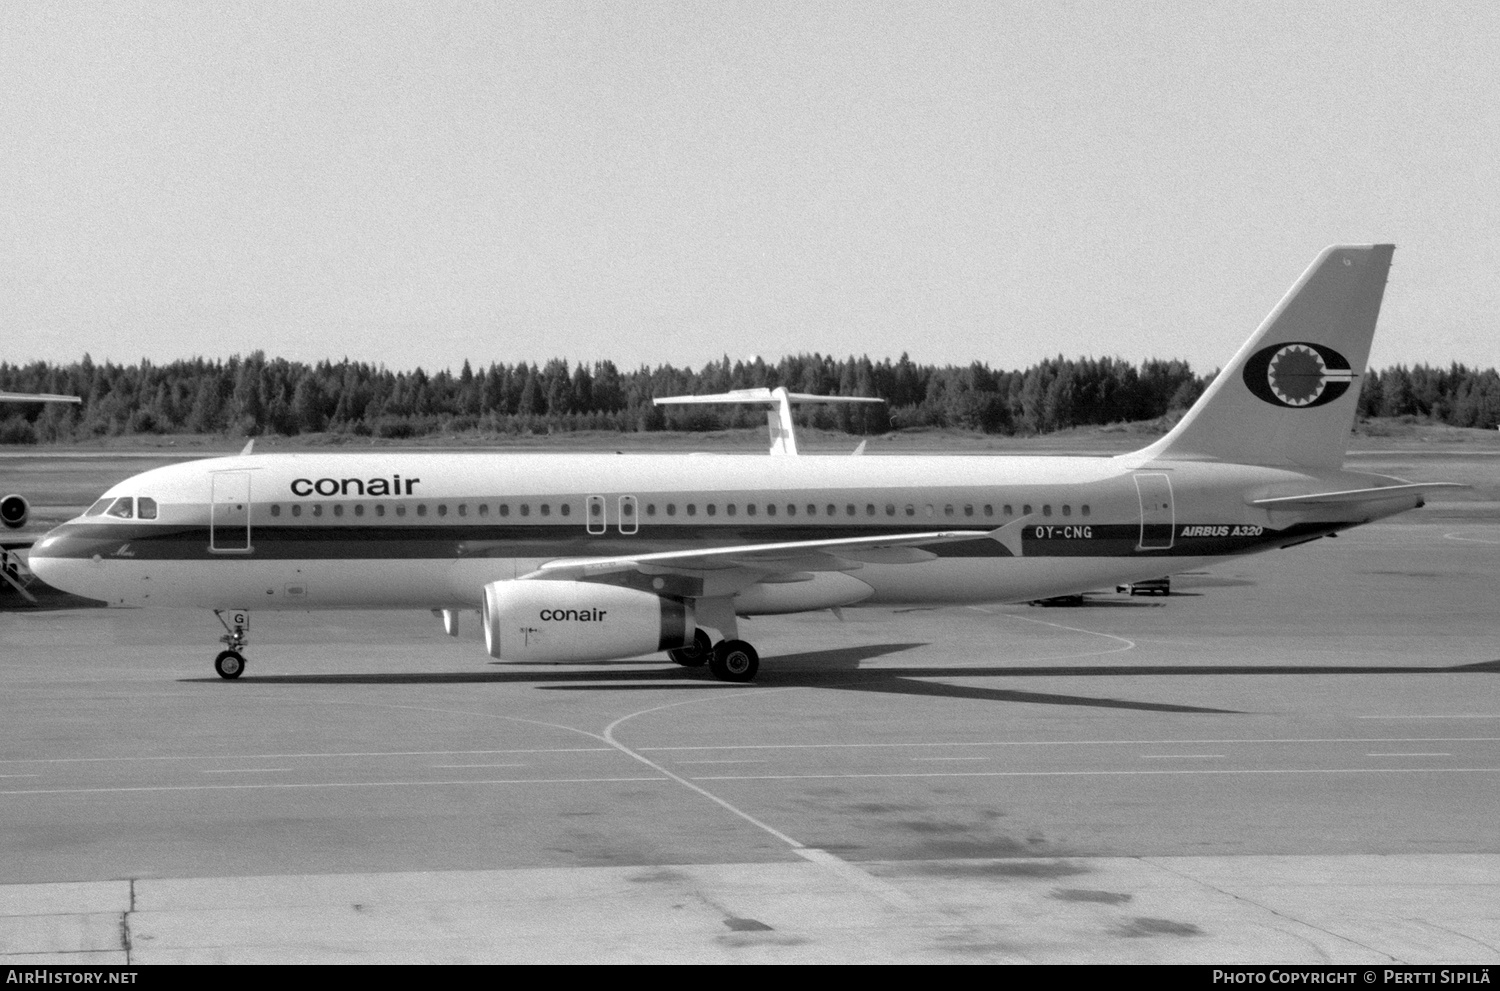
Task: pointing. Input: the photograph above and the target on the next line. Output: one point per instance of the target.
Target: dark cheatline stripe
(165, 542)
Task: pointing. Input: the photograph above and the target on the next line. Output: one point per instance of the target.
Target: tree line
(251, 395)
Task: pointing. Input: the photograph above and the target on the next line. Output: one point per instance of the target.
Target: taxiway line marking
(771, 746)
(1181, 756)
(1468, 540)
(881, 889)
(1128, 644)
(852, 873)
(950, 758)
(242, 770)
(353, 753)
(328, 784)
(609, 737)
(1083, 743)
(858, 876)
(1080, 774)
(1457, 715)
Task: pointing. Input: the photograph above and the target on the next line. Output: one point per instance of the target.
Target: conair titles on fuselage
(327, 487)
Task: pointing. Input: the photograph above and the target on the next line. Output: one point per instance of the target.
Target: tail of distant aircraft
(1288, 396)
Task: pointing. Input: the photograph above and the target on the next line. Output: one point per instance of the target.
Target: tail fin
(1288, 396)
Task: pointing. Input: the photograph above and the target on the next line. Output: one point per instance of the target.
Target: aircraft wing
(836, 554)
(1354, 495)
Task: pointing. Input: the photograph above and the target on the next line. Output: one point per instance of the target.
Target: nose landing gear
(230, 664)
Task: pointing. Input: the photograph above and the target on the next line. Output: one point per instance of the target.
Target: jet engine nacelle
(580, 621)
(14, 512)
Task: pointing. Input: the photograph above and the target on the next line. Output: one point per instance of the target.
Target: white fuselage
(402, 530)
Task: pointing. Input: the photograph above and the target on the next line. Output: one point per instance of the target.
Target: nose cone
(67, 561)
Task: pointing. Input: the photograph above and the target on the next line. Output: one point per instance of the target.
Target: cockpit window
(97, 508)
(145, 508)
(122, 508)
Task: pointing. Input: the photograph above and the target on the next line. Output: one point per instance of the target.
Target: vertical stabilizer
(1288, 396)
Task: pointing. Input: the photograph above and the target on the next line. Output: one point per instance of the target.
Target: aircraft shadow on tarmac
(841, 669)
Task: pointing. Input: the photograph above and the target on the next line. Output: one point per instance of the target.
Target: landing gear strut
(230, 664)
(695, 655)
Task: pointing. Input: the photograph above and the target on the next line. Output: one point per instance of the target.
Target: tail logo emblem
(1298, 375)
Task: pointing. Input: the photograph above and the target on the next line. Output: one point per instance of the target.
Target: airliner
(14, 509)
(586, 557)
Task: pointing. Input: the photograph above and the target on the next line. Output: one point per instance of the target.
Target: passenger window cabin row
(788, 510)
(144, 508)
(420, 509)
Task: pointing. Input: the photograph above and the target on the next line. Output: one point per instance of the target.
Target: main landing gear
(729, 660)
(697, 654)
(734, 660)
(230, 664)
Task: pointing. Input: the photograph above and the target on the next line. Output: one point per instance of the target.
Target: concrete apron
(813, 907)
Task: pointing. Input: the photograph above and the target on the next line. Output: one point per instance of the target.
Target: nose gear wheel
(229, 664)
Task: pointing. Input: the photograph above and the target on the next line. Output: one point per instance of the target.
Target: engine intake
(14, 512)
(580, 621)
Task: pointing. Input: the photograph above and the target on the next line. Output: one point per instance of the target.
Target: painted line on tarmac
(242, 770)
(1128, 644)
(866, 881)
(860, 877)
(1468, 540)
(352, 753)
(327, 784)
(770, 746)
(1456, 715)
(1093, 743)
(951, 758)
(1085, 774)
(609, 737)
(1181, 756)
(881, 889)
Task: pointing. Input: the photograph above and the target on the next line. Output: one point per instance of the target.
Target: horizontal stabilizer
(759, 397)
(778, 419)
(1354, 495)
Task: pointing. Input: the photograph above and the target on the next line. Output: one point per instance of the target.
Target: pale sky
(420, 183)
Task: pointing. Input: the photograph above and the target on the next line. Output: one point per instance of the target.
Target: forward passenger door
(229, 513)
